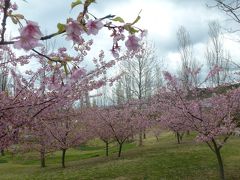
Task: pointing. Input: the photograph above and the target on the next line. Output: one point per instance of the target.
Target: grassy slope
(156, 160)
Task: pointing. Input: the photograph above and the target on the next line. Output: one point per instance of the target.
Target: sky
(161, 18)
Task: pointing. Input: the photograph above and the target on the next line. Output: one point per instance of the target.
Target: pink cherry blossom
(94, 26)
(26, 44)
(115, 53)
(167, 76)
(14, 6)
(118, 37)
(74, 31)
(29, 36)
(132, 43)
(32, 30)
(77, 73)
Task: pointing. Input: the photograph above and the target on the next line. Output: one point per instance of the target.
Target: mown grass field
(164, 159)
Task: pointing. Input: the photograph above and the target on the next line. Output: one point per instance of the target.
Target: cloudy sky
(161, 18)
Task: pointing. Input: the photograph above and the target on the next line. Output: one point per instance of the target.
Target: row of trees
(41, 104)
(191, 100)
(47, 109)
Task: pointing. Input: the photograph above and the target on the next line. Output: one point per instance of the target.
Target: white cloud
(162, 18)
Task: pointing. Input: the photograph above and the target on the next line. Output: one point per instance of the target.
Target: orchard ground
(164, 159)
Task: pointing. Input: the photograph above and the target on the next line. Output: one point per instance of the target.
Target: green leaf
(50, 62)
(130, 29)
(90, 1)
(136, 20)
(75, 3)
(65, 68)
(55, 59)
(14, 20)
(61, 27)
(119, 19)
(19, 16)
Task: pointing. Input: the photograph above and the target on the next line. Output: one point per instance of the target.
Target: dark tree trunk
(120, 149)
(181, 136)
(2, 152)
(106, 143)
(220, 163)
(132, 134)
(178, 138)
(140, 138)
(43, 159)
(219, 158)
(144, 134)
(63, 157)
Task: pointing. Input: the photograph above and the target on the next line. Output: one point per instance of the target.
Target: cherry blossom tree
(66, 128)
(97, 125)
(123, 121)
(209, 112)
(30, 98)
(17, 107)
(36, 137)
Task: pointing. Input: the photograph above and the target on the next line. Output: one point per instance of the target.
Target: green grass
(156, 160)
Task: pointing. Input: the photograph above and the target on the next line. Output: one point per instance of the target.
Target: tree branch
(5, 15)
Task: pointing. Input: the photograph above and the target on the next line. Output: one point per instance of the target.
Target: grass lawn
(156, 160)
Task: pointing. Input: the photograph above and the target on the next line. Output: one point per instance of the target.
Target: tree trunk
(219, 158)
(220, 163)
(106, 143)
(2, 152)
(63, 157)
(140, 138)
(43, 159)
(120, 149)
(144, 134)
(181, 136)
(132, 134)
(178, 138)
